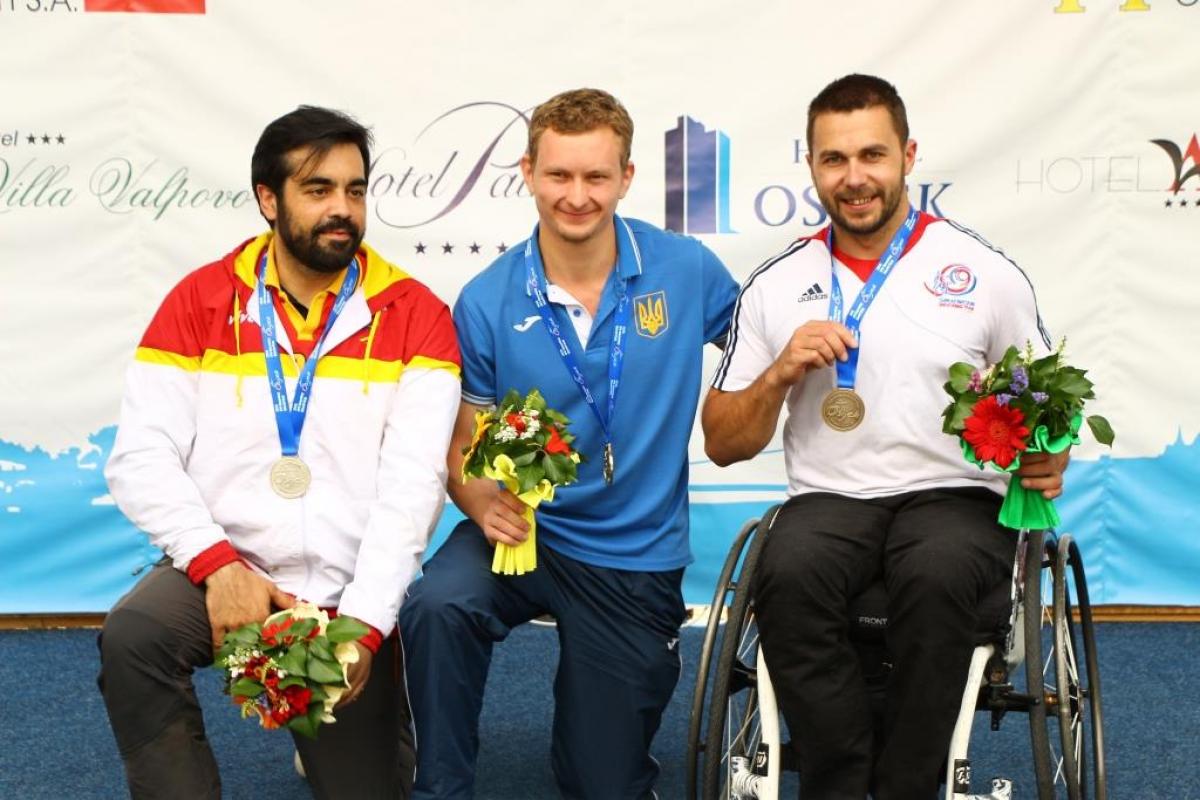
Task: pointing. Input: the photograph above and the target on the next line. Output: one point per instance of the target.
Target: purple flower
(976, 382)
(1003, 399)
(1040, 397)
(1020, 380)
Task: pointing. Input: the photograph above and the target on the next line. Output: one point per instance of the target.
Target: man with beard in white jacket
(282, 437)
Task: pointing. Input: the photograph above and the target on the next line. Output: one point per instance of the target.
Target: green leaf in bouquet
(556, 418)
(553, 469)
(306, 724)
(535, 401)
(1101, 429)
(1072, 383)
(960, 378)
(294, 660)
(246, 687)
(245, 636)
(323, 671)
(301, 628)
(955, 414)
(528, 477)
(345, 629)
(512, 399)
(292, 680)
(321, 648)
(525, 459)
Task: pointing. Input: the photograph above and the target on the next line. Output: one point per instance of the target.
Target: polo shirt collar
(629, 255)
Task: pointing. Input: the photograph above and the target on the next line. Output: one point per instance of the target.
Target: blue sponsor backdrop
(64, 548)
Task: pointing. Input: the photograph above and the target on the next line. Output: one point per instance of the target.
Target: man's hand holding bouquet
(1020, 405)
(291, 669)
(526, 446)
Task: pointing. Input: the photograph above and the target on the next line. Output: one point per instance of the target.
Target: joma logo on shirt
(651, 313)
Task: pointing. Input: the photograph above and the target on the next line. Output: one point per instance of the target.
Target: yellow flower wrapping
(518, 560)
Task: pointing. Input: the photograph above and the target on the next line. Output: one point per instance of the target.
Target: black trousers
(939, 551)
(154, 638)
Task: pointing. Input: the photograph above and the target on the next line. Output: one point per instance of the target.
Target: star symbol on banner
(61, 139)
(1168, 202)
(31, 139)
(474, 247)
(421, 248)
(447, 248)
(501, 248)
(45, 138)
(1183, 203)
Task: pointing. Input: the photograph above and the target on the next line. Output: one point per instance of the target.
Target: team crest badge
(651, 310)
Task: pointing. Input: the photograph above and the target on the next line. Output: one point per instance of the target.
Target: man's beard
(307, 247)
(891, 197)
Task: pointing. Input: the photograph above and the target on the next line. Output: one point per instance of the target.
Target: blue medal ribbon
(847, 370)
(289, 417)
(616, 349)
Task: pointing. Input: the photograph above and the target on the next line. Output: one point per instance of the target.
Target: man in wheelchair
(876, 489)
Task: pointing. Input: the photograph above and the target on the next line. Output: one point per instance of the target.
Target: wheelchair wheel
(726, 587)
(733, 730)
(1068, 686)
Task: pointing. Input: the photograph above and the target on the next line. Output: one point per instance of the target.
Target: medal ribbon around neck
(616, 349)
(289, 417)
(847, 370)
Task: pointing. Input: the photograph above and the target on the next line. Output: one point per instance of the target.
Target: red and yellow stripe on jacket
(197, 436)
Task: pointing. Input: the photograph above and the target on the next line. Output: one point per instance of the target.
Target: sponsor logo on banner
(651, 314)
(951, 284)
(697, 178)
(1185, 166)
(1175, 173)
(1080, 6)
(146, 6)
(127, 6)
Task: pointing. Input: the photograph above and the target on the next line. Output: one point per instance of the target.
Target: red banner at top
(146, 6)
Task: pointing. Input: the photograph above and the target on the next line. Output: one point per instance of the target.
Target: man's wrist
(209, 561)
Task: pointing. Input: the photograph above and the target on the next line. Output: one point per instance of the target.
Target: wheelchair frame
(737, 751)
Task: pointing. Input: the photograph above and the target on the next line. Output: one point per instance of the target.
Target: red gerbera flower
(996, 432)
(516, 421)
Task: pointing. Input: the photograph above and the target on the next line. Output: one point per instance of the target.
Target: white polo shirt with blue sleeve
(682, 297)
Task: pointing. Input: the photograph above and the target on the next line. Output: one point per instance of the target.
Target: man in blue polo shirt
(612, 547)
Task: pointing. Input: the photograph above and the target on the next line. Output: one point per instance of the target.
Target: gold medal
(290, 477)
(842, 409)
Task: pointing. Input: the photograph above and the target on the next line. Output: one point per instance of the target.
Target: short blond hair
(580, 111)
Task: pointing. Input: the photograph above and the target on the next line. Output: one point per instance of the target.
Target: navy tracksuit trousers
(618, 634)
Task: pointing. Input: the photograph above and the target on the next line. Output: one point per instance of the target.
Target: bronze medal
(290, 477)
(842, 409)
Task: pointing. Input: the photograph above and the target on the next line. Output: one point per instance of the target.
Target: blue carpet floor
(55, 743)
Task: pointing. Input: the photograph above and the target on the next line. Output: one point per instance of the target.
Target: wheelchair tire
(734, 677)
(1069, 697)
(1080, 719)
(725, 588)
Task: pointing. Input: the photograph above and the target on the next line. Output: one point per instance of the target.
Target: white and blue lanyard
(847, 370)
(616, 349)
(289, 417)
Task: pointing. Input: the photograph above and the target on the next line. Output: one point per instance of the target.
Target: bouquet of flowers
(290, 670)
(1020, 405)
(525, 445)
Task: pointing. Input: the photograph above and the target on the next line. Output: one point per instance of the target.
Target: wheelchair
(1042, 619)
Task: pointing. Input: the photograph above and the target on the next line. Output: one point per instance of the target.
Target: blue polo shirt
(682, 296)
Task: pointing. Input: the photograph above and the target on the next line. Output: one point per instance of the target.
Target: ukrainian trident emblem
(651, 313)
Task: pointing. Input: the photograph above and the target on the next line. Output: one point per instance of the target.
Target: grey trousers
(152, 640)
